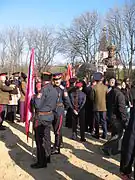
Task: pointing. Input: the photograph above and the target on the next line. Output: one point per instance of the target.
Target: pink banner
(29, 93)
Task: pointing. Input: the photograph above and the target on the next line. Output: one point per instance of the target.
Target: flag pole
(33, 122)
(32, 139)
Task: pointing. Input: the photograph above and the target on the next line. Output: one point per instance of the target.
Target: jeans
(100, 117)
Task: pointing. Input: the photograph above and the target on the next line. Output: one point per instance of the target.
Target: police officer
(62, 101)
(44, 102)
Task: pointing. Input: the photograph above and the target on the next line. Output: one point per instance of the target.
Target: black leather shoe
(61, 145)
(105, 152)
(37, 166)
(55, 151)
(2, 128)
(83, 140)
(95, 136)
(104, 137)
(74, 136)
(48, 159)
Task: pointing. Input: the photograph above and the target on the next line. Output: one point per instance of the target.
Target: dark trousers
(57, 126)
(89, 117)
(128, 146)
(18, 107)
(43, 141)
(100, 117)
(69, 118)
(89, 121)
(3, 112)
(11, 112)
(81, 118)
(113, 145)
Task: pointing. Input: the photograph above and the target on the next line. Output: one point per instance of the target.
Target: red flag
(69, 74)
(29, 93)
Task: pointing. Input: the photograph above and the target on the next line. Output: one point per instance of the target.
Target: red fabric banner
(69, 74)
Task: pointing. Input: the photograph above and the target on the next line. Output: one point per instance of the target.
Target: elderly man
(118, 120)
(99, 97)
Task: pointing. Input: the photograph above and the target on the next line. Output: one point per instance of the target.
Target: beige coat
(14, 98)
(4, 93)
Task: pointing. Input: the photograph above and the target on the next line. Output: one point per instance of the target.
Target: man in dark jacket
(128, 149)
(128, 143)
(68, 122)
(118, 120)
(89, 113)
(44, 102)
(109, 99)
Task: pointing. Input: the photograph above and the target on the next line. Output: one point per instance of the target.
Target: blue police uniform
(63, 102)
(44, 107)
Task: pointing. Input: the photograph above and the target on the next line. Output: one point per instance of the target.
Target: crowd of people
(106, 103)
(12, 97)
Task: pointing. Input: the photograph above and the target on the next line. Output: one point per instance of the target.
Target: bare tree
(129, 23)
(3, 51)
(116, 32)
(80, 40)
(121, 25)
(15, 40)
(45, 44)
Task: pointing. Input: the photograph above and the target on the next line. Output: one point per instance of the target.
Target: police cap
(23, 75)
(3, 74)
(16, 74)
(57, 76)
(97, 76)
(46, 76)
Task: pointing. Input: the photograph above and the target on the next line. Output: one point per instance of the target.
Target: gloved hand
(75, 112)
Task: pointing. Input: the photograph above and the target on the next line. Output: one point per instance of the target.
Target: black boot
(61, 142)
(74, 136)
(38, 165)
(48, 159)
(2, 128)
(96, 136)
(55, 150)
(83, 140)
(61, 145)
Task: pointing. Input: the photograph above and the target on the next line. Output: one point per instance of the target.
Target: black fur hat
(23, 75)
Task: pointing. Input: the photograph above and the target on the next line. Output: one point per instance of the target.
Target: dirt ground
(77, 160)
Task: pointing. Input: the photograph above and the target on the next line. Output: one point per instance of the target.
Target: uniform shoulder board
(108, 90)
(62, 87)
